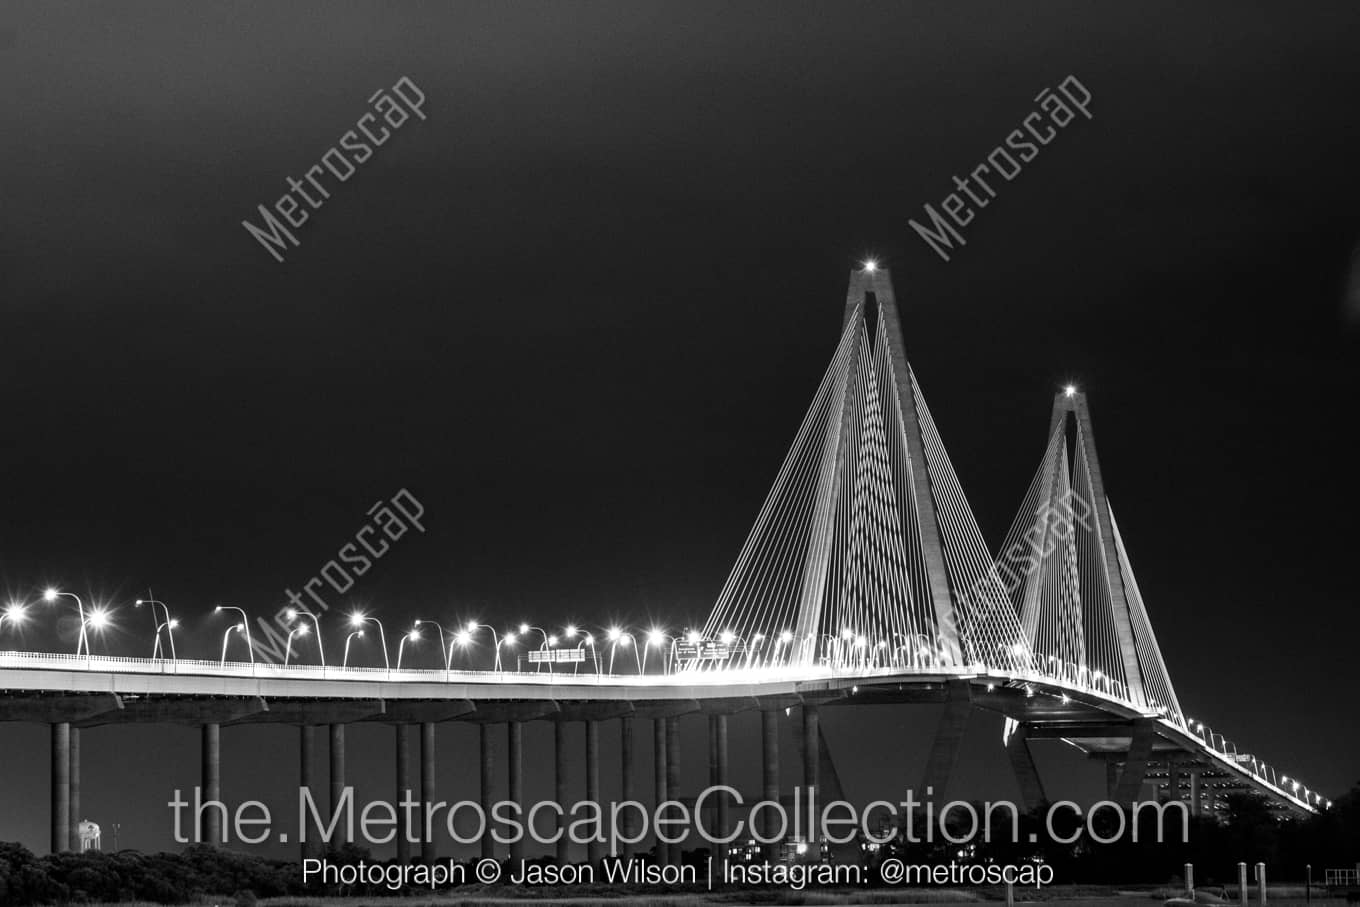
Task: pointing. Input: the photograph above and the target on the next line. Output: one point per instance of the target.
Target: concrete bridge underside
(1138, 749)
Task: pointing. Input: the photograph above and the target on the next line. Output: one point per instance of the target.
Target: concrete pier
(629, 772)
(488, 779)
(429, 849)
(306, 746)
(812, 755)
(595, 849)
(515, 733)
(674, 852)
(560, 789)
(404, 789)
(210, 818)
(769, 736)
(61, 787)
(337, 757)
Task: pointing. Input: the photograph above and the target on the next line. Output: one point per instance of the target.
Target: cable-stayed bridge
(864, 580)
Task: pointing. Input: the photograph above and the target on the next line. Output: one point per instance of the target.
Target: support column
(560, 760)
(769, 734)
(61, 787)
(515, 731)
(1026, 772)
(944, 752)
(811, 760)
(75, 789)
(717, 777)
(403, 732)
(1135, 767)
(659, 775)
(488, 777)
(210, 813)
(594, 849)
(629, 782)
(674, 852)
(337, 754)
(1111, 777)
(1195, 805)
(1173, 781)
(429, 849)
(306, 745)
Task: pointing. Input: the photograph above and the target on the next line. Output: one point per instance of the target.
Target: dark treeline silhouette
(1248, 833)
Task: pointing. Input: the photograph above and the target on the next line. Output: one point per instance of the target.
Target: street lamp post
(16, 614)
(169, 627)
(292, 614)
(357, 620)
(226, 638)
(169, 624)
(348, 639)
(443, 647)
(299, 630)
(50, 595)
(412, 637)
(245, 628)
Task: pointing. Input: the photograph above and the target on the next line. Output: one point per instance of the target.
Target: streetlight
(411, 637)
(16, 614)
(472, 628)
(292, 614)
(657, 639)
(169, 627)
(443, 648)
(507, 640)
(586, 640)
(168, 624)
(50, 595)
(462, 639)
(358, 619)
(785, 638)
(618, 637)
(226, 638)
(99, 619)
(299, 630)
(244, 627)
(348, 639)
(524, 631)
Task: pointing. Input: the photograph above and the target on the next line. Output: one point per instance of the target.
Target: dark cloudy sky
(580, 310)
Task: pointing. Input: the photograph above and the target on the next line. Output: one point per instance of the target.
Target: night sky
(579, 312)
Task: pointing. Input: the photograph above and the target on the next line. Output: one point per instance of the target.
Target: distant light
(472, 626)
(300, 630)
(413, 636)
(509, 639)
(174, 624)
(99, 618)
(49, 594)
(1070, 390)
(139, 602)
(624, 642)
(523, 628)
(882, 644)
(847, 633)
(463, 637)
(552, 640)
(614, 634)
(571, 631)
(786, 637)
(356, 620)
(291, 613)
(16, 613)
(694, 638)
(656, 637)
(727, 637)
(758, 637)
(870, 266)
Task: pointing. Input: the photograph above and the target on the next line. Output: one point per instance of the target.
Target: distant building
(88, 833)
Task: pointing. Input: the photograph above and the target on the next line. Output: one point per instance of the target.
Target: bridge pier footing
(944, 752)
(61, 786)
